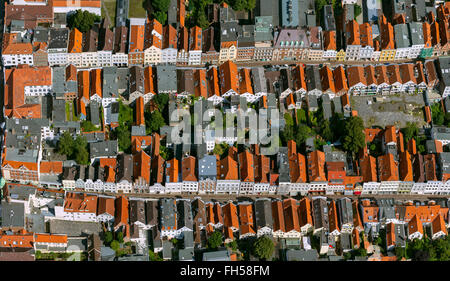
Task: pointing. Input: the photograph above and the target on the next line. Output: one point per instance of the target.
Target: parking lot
(390, 110)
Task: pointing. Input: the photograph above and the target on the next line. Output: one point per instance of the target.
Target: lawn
(136, 10)
(110, 6)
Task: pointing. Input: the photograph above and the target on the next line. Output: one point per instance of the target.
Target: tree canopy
(82, 20)
(74, 149)
(263, 247)
(153, 121)
(215, 240)
(354, 137)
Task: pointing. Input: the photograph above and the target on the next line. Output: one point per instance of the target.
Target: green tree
(337, 125)
(115, 245)
(354, 137)
(215, 240)
(437, 114)
(123, 136)
(81, 152)
(357, 10)
(65, 144)
(161, 17)
(288, 133)
(155, 121)
(108, 238)
(410, 131)
(289, 120)
(154, 256)
(125, 114)
(161, 5)
(303, 133)
(233, 245)
(119, 236)
(165, 152)
(325, 130)
(161, 101)
(87, 126)
(263, 247)
(82, 20)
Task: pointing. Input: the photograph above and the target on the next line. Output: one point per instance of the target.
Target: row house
(15, 52)
(136, 41)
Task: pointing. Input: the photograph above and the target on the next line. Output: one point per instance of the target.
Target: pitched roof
(141, 166)
(438, 225)
(316, 162)
(278, 216)
(297, 166)
(304, 212)
(415, 225)
(406, 172)
(329, 40)
(326, 78)
(51, 167)
(245, 81)
(369, 169)
(230, 217)
(366, 34)
(188, 169)
(121, 208)
(140, 120)
(352, 33)
(246, 219)
(195, 39)
(50, 238)
(291, 214)
(75, 41)
(356, 75)
(229, 78)
(80, 202)
(170, 37)
(136, 41)
(387, 168)
(105, 206)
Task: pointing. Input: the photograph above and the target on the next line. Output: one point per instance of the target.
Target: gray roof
(386, 209)
(207, 167)
(444, 161)
(172, 13)
(344, 210)
(227, 15)
(283, 165)
(440, 133)
(137, 211)
(94, 137)
(302, 255)
(312, 102)
(138, 131)
(263, 28)
(416, 33)
(263, 213)
(133, 258)
(328, 15)
(58, 79)
(222, 255)
(186, 254)
(40, 34)
(13, 214)
(400, 235)
(268, 8)
(326, 107)
(370, 13)
(320, 212)
(402, 39)
(337, 105)
(313, 78)
(124, 167)
(20, 192)
(168, 213)
(246, 35)
(188, 239)
(110, 88)
(167, 249)
(259, 80)
(94, 113)
(289, 13)
(151, 212)
(122, 78)
(74, 228)
(22, 155)
(443, 67)
(229, 31)
(346, 241)
(167, 78)
(107, 148)
(155, 237)
(184, 214)
(59, 110)
(58, 38)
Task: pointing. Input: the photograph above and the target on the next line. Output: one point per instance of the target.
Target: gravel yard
(390, 110)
